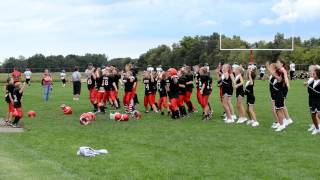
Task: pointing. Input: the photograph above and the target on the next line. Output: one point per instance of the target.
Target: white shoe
(275, 125)
(315, 132)
(234, 117)
(255, 124)
(280, 128)
(241, 120)
(225, 119)
(229, 121)
(249, 122)
(312, 127)
(289, 121)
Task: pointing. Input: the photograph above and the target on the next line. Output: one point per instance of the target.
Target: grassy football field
(157, 147)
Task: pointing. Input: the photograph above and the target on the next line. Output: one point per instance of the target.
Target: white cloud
(208, 23)
(290, 11)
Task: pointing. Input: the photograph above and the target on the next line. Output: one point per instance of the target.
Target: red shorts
(109, 95)
(127, 98)
(163, 102)
(99, 96)
(187, 97)
(92, 94)
(204, 101)
(149, 99)
(181, 100)
(173, 104)
(10, 107)
(17, 112)
(199, 97)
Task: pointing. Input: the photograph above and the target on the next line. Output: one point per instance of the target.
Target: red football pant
(10, 107)
(163, 102)
(127, 98)
(149, 99)
(109, 95)
(181, 100)
(173, 104)
(187, 97)
(99, 97)
(204, 101)
(199, 97)
(17, 113)
(92, 95)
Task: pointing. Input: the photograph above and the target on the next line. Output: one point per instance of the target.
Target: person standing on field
(47, 84)
(16, 75)
(292, 70)
(76, 79)
(27, 75)
(63, 78)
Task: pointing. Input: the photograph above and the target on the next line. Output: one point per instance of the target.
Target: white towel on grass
(89, 152)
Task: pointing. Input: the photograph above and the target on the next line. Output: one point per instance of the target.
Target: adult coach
(16, 75)
(76, 79)
(292, 70)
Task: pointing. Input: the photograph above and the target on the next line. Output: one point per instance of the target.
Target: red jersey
(16, 75)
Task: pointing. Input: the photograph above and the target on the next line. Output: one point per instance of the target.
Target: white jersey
(234, 67)
(27, 74)
(63, 75)
(262, 70)
(292, 67)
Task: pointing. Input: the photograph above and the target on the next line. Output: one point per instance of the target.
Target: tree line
(189, 50)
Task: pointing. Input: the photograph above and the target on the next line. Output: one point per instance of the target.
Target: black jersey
(189, 79)
(107, 82)
(182, 82)
(207, 82)
(17, 98)
(148, 89)
(9, 91)
(239, 90)
(91, 83)
(172, 82)
(227, 86)
(197, 77)
(314, 91)
(128, 83)
(162, 88)
(117, 78)
(98, 83)
(279, 87)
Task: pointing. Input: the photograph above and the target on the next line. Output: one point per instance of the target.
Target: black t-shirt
(98, 83)
(91, 83)
(117, 78)
(173, 87)
(189, 78)
(108, 82)
(207, 81)
(17, 98)
(147, 86)
(182, 81)
(162, 88)
(9, 90)
(128, 85)
(197, 77)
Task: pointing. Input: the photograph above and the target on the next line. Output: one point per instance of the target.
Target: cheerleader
(281, 65)
(312, 70)
(279, 92)
(272, 90)
(206, 90)
(227, 89)
(238, 86)
(314, 100)
(251, 98)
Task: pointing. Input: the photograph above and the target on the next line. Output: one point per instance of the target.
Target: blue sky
(127, 28)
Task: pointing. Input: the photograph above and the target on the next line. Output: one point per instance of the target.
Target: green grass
(157, 147)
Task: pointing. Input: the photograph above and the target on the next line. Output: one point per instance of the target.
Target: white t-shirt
(234, 66)
(62, 75)
(27, 74)
(150, 69)
(262, 70)
(292, 67)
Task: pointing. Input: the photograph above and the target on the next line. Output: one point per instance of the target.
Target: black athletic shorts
(27, 81)
(63, 81)
(314, 106)
(239, 92)
(261, 75)
(251, 100)
(76, 87)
